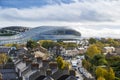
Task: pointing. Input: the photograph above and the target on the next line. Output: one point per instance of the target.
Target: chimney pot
(72, 73)
(34, 66)
(48, 72)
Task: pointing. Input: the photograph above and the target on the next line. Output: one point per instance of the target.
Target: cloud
(98, 13)
(106, 32)
(86, 11)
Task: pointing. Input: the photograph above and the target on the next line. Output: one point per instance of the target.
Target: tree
(100, 78)
(99, 45)
(48, 44)
(86, 64)
(3, 58)
(61, 63)
(31, 44)
(99, 59)
(101, 72)
(92, 40)
(92, 50)
(71, 45)
(114, 61)
(110, 41)
(12, 45)
(102, 61)
(110, 75)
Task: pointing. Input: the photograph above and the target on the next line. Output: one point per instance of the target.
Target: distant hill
(12, 30)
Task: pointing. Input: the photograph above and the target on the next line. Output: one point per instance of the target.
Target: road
(81, 72)
(77, 63)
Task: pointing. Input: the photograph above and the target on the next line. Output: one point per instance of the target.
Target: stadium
(43, 33)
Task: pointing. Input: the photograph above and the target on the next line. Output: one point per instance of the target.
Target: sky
(93, 18)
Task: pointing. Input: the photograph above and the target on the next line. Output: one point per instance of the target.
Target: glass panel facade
(43, 33)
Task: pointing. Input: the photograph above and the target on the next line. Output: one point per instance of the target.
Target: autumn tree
(86, 64)
(92, 50)
(61, 63)
(100, 78)
(3, 58)
(12, 45)
(108, 74)
(101, 72)
(100, 45)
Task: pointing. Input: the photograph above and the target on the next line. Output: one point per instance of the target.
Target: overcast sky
(98, 18)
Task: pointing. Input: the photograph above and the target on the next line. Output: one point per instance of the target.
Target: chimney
(48, 72)
(1, 76)
(45, 63)
(34, 66)
(25, 58)
(53, 65)
(28, 62)
(39, 59)
(72, 73)
(21, 56)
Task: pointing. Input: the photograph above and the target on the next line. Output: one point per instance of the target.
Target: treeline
(101, 66)
(50, 44)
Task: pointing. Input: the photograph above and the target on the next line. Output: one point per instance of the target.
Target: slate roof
(8, 74)
(4, 49)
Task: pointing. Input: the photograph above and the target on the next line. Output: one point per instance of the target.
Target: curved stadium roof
(43, 33)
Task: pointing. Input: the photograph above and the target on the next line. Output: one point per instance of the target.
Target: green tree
(110, 40)
(92, 50)
(48, 44)
(71, 45)
(114, 62)
(92, 40)
(86, 64)
(31, 44)
(99, 59)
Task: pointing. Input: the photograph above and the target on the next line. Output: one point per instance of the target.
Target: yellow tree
(110, 40)
(100, 78)
(3, 58)
(99, 45)
(92, 50)
(101, 72)
(62, 64)
(110, 75)
(12, 45)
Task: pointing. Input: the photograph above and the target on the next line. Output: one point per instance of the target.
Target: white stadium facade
(43, 33)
